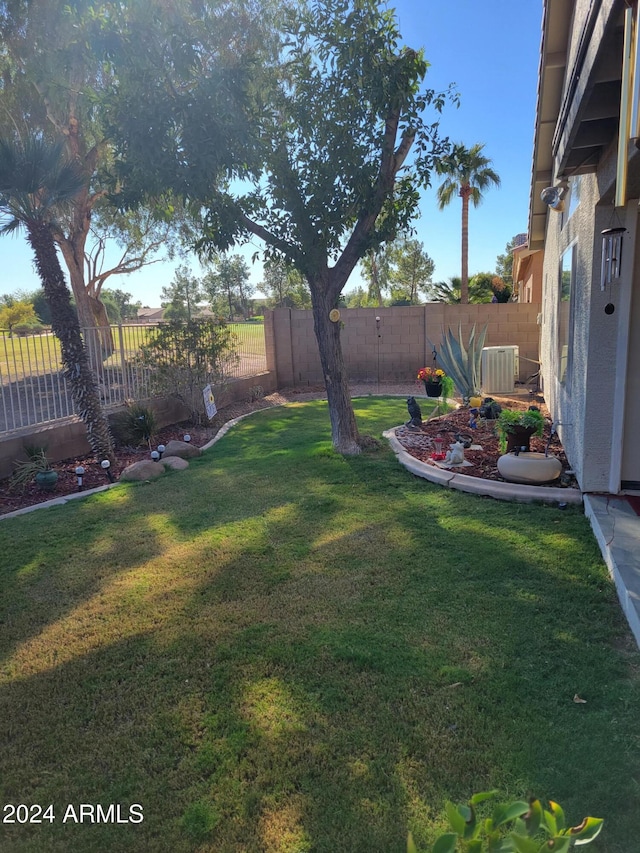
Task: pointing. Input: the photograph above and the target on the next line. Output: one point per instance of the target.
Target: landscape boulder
(176, 463)
(182, 449)
(146, 469)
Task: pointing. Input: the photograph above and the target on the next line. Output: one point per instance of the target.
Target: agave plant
(463, 364)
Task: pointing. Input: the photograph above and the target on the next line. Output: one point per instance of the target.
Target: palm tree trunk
(464, 273)
(67, 329)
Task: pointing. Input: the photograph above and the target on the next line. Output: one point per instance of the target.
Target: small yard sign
(209, 402)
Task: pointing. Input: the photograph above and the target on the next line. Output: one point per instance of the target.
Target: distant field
(37, 354)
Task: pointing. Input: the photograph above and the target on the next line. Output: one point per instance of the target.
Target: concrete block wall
(395, 348)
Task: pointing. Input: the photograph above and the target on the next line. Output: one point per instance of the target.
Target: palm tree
(468, 173)
(446, 291)
(36, 184)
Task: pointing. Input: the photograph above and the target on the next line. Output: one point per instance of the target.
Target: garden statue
(490, 409)
(455, 456)
(415, 412)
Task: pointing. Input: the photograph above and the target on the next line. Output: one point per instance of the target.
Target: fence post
(123, 365)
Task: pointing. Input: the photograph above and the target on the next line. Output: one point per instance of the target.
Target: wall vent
(500, 366)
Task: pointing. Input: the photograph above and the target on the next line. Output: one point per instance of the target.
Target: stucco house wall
(582, 74)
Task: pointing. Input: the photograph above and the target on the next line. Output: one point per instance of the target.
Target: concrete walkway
(617, 530)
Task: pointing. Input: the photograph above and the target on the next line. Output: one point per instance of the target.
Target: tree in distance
(182, 295)
(401, 268)
(17, 312)
(467, 174)
(228, 287)
(284, 285)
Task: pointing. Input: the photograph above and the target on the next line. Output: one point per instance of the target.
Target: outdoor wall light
(155, 455)
(187, 438)
(106, 467)
(161, 449)
(79, 475)
(553, 197)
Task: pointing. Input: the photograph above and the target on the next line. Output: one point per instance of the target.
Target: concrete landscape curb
(475, 485)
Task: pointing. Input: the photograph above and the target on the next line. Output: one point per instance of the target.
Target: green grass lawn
(281, 649)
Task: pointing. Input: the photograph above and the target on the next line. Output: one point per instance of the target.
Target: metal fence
(33, 389)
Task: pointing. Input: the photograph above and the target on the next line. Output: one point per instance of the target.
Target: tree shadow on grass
(324, 664)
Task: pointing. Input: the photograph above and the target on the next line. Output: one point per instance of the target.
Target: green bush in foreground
(515, 827)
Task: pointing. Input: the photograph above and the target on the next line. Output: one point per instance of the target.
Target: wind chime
(611, 260)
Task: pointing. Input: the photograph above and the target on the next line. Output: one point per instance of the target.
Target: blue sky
(490, 50)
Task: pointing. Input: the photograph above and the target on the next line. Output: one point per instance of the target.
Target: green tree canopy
(504, 262)
(333, 146)
(400, 268)
(411, 271)
(284, 285)
(57, 71)
(230, 280)
(17, 313)
(182, 295)
(488, 287)
(127, 309)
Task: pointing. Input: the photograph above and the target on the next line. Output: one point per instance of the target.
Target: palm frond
(36, 180)
(12, 224)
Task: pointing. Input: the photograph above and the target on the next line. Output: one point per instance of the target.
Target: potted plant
(436, 382)
(432, 378)
(515, 428)
(36, 467)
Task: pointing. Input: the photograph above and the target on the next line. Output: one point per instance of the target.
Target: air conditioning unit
(500, 367)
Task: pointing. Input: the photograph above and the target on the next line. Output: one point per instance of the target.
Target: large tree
(333, 149)
(468, 174)
(36, 185)
(52, 78)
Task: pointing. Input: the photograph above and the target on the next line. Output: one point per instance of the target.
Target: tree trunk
(91, 312)
(344, 430)
(464, 276)
(66, 328)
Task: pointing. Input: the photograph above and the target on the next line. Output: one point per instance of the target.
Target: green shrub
(134, 426)
(26, 469)
(183, 358)
(515, 827)
(508, 419)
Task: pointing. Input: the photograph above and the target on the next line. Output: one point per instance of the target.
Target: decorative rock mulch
(481, 462)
